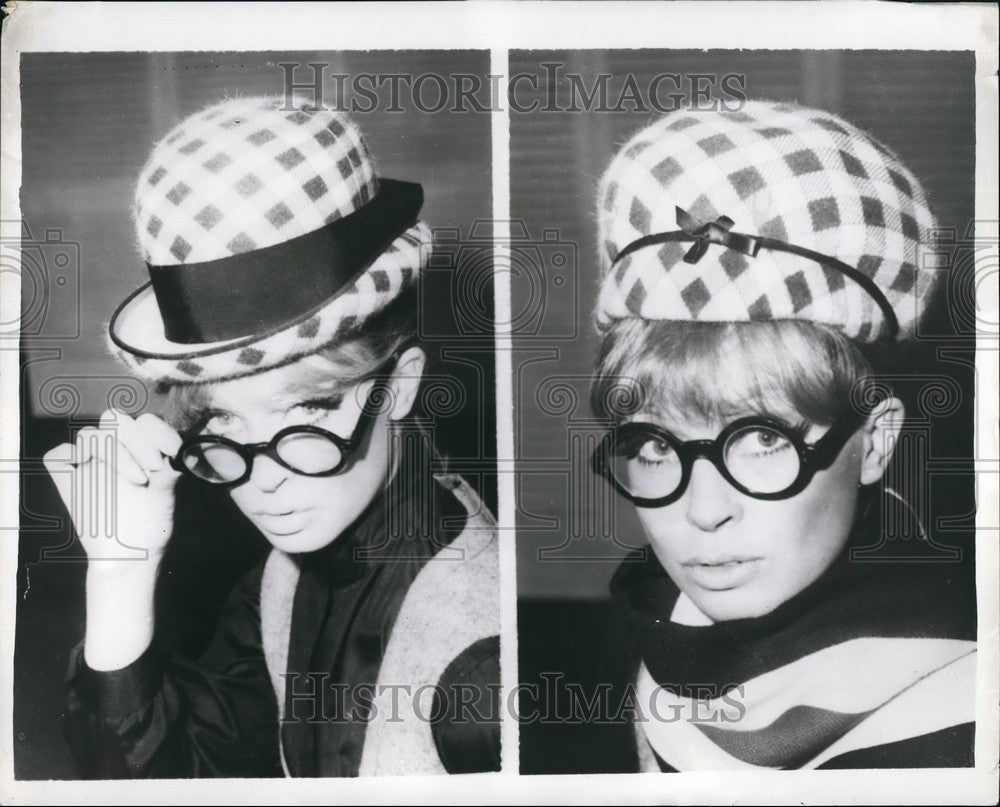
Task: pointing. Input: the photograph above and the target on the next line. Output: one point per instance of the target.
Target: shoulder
(455, 599)
(447, 630)
(458, 588)
(473, 553)
(479, 521)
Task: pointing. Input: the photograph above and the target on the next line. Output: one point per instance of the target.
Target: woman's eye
(761, 442)
(768, 439)
(317, 407)
(216, 422)
(655, 451)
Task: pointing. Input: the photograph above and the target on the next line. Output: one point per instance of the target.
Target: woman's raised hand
(118, 486)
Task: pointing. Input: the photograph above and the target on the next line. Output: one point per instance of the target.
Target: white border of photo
(498, 27)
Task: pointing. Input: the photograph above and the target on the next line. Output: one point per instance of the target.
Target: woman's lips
(282, 522)
(720, 574)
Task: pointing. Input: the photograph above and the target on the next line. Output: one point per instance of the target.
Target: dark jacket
(218, 715)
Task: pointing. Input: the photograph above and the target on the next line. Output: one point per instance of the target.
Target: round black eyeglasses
(306, 450)
(763, 458)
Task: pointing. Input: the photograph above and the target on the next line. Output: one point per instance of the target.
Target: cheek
(833, 494)
(667, 531)
(343, 497)
(805, 535)
(821, 517)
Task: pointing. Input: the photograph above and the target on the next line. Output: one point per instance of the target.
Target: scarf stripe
(941, 700)
(851, 677)
(802, 736)
(790, 741)
(869, 654)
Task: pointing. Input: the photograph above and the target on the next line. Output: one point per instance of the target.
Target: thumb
(59, 463)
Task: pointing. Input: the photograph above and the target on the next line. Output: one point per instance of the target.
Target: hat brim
(137, 333)
(137, 327)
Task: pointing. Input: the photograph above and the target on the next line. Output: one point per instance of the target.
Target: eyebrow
(797, 423)
(308, 396)
(306, 390)
(281, 405)
(788, 417)
(201, 417)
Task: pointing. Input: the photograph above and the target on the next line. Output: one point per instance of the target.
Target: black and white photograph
(500, 402)
(271, 432)
(746, 504)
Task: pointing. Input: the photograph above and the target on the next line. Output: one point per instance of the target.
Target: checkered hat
(268, 235)
(730, 191)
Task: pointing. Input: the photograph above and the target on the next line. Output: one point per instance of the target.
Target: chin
(297, 542)
(724, 606)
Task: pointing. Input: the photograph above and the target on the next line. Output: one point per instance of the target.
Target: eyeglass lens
(760, 459)
(305, 452)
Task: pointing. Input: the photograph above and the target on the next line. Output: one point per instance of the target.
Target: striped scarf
(870, 657)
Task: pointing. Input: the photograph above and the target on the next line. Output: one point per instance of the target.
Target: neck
(687, 613)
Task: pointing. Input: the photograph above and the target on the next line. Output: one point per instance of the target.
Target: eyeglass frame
(250, 451)
(813, 457)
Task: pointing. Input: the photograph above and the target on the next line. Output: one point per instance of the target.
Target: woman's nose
(267, 475)
(711, 500)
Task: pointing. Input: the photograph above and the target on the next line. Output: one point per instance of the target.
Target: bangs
(330, 373)
(714, 372)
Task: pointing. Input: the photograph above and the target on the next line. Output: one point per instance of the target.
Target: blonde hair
(711, 371)
(329, 371)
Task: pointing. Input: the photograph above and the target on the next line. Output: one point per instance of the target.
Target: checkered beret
(246, 177)
(772, 171)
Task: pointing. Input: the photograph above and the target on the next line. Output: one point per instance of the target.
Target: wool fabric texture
(239, 177)
(450, 606)
(778, 170)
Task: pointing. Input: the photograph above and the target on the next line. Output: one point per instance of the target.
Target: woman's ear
(405, 381)
(880, 432)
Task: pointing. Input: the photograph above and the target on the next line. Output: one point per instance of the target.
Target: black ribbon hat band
(256, 292)
(718, 232)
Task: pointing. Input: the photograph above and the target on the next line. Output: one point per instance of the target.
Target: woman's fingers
(135, 449)
(83, 473)
(143, 447)
(116, 485)
(166, 442)
(131, 436)
(104, 445)
(128, 468)
(88, 443)
(58, 462)
(59, 456)
(163, 436)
